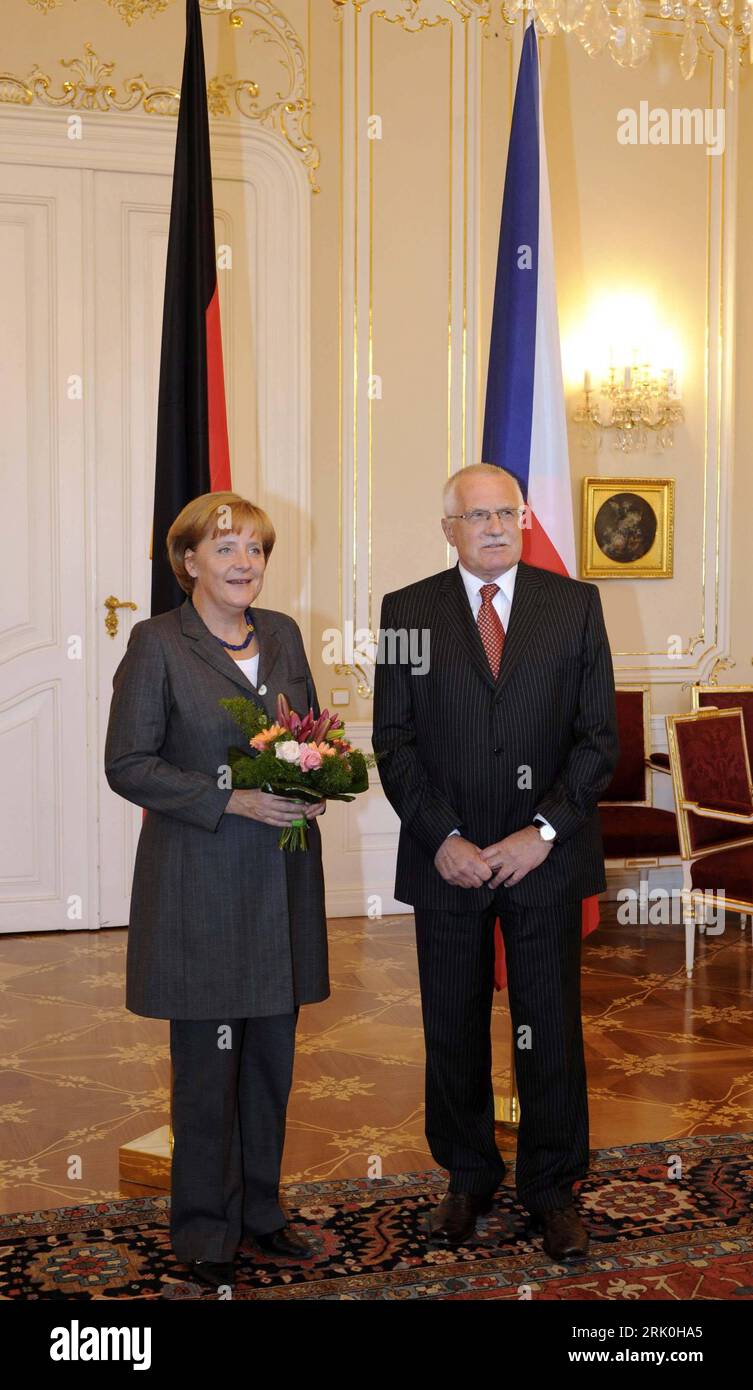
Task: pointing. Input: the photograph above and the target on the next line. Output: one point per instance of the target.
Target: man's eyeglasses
(480, 517)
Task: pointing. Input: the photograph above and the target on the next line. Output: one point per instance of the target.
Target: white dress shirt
(502, 602)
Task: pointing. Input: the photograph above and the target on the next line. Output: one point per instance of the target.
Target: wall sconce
(631, 403)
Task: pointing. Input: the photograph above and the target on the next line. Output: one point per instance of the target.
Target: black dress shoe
(284, 1241)
(211, 1273)
(453, 1221)
(565, 1236)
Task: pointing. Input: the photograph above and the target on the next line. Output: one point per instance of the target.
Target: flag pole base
(507, 1110)
(148, 1160)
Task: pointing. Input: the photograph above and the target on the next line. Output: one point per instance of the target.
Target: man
(494, 759)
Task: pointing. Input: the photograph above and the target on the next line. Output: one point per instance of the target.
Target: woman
(227, 932)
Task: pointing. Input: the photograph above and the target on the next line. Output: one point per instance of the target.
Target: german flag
(192, 443)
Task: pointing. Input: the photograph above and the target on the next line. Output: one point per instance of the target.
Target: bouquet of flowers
(303, 759)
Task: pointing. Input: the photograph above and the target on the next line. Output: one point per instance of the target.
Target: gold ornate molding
(129, 10)
(283, 108)
(287, 113)
(409, 15)
(722, 663)
(88, 89)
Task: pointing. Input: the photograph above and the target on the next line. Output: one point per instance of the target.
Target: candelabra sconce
(632, 405)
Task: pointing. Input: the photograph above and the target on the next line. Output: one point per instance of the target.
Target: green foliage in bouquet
(249, 716)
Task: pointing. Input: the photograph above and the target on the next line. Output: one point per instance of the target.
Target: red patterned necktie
(490, 627)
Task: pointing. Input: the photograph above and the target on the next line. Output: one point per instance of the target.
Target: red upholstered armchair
(716, 697)
(710, 767)
(636, 833)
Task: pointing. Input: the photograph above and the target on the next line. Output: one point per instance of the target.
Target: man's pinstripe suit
(459, 749)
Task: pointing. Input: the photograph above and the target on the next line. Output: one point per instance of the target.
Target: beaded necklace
(240, 646)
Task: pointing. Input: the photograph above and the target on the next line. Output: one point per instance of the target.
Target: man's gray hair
(473, 470)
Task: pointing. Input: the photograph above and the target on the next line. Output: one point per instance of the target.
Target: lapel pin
(262, 689)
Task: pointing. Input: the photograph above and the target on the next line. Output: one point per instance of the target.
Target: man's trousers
(228, 1112)
(456, 971)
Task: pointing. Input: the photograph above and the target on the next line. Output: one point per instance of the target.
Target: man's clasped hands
(508, 861)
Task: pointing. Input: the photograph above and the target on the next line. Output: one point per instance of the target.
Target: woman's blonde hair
(206, 517)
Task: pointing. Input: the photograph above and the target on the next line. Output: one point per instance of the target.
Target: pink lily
(306, 729)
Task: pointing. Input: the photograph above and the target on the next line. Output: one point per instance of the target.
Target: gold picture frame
(628, 528)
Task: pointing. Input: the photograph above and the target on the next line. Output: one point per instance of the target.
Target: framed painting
(628, 528)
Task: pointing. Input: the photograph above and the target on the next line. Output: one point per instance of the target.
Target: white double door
(83, 239)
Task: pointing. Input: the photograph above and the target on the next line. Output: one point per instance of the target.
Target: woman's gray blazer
(223, 923)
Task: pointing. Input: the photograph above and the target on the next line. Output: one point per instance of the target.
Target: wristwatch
(546, 831)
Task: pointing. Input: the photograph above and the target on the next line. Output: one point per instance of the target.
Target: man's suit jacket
(223, 923)
(463, 750)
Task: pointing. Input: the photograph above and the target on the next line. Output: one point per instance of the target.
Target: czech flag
(192, 442)
(525, 429)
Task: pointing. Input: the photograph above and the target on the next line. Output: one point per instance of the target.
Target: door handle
(112, 604)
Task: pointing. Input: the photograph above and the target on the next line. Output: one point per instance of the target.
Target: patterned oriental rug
(653, 1236)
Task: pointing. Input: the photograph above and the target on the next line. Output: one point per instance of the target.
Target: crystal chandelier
(625, 35)
(632, 404)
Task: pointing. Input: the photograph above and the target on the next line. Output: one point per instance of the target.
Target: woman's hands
(271, 809)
